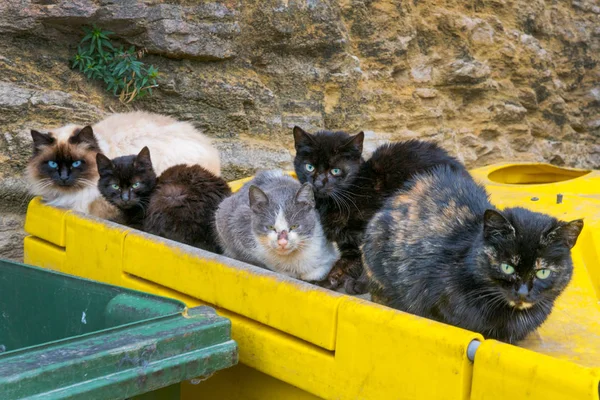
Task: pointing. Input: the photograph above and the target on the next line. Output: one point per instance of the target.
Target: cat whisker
(344, 202)
(336, 201)
(348, 197)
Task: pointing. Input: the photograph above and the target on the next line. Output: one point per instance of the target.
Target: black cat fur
(437, 248)
(125, 172)
(346, 203)
(179, 205)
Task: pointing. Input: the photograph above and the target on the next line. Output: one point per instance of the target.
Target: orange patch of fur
(102, 209)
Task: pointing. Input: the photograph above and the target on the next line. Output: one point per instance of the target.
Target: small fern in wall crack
(121, 70)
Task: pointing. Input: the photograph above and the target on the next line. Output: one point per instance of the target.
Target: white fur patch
(281, 223)
(171, 142)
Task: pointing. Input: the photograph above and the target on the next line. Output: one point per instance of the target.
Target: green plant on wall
(122, 72)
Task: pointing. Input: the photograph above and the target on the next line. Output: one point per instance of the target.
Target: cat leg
(344, 274)
(357, 286)
(334, 278)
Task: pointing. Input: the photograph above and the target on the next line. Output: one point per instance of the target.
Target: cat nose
(64, 174)
(125, 195)
(282, 239)
(523, 291)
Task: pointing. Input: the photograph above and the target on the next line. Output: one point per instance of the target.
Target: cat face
(328, 160)
(527, 256)
(63, 164)
(126, 182)
(283, 229)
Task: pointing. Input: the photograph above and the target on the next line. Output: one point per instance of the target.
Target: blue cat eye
(507, 269)
(135, 185)
(76, 164)
(543, 273)
(309, 167)
(336, 172)
(115, 186)
(52, 164)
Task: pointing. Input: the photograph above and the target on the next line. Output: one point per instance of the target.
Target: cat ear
(258, 198)
(104, 163)
(306, 195)
(566, 232)
(302, 138)
(40, 140)
(85, 136)
(143, 158)
(355, 143)
(496, 225)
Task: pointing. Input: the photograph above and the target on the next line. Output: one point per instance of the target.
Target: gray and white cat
(271, 222)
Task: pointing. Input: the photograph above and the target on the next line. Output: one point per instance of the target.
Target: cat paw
(330, 283)
(355, 286)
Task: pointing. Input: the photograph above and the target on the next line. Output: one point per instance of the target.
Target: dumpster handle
(472, 349)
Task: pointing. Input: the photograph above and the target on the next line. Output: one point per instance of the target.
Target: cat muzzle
(282, 239)
(63, 176)
(523, 292)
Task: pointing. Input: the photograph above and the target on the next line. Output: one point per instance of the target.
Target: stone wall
(490, 80)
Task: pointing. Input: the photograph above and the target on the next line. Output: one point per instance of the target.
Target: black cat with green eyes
(127, 183)
(349, 190)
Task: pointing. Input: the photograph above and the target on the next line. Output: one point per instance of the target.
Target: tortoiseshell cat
(179, 205)
(441, 250)
(127, 183)
(349, 190)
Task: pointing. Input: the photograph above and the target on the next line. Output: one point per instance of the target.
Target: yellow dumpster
(298, 341)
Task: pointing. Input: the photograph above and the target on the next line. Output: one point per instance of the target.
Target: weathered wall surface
(490, 80)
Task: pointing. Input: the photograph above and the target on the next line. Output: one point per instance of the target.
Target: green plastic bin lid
(62, 336)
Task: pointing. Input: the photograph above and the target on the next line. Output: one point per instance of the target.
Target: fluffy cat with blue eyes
(349, 190)
(271, 222)
(63, 167)
(439, 249)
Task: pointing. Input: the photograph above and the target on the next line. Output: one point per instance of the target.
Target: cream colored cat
(63, 167)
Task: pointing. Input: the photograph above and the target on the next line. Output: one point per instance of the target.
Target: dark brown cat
(183, 206)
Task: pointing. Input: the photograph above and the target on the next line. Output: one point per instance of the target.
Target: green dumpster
(65, 337)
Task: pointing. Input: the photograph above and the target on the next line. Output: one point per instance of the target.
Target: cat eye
(309, 167)
(135, 185)
(336, 172)
(543, 273)
(270, 227)
(294, 227)
(507, 269)
(76, 164)
(52, 164)
(115, 186)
